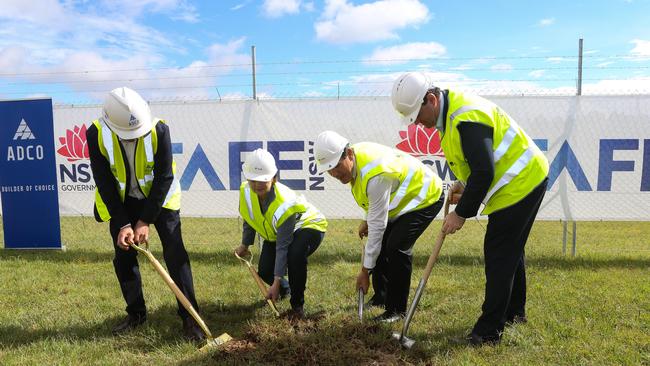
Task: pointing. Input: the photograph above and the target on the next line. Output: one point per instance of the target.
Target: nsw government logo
(73, 145)
(75, 175)
(419, 141)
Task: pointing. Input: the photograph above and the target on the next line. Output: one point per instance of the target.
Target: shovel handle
(425, 276)
(260, 284)
(170, 282)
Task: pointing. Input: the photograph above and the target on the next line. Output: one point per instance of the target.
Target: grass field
(57, 308)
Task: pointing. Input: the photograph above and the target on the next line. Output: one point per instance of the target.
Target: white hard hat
(328, 149)
(260, 166)
(408, 94)
(127, 114)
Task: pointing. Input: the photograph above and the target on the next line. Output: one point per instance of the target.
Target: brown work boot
(192, 331)
(130, 322)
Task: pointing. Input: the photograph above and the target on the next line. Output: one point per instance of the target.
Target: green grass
(58, 307)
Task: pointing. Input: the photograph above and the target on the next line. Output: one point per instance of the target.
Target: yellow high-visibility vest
(145, 150)
(519, 165)
(285, 204)
(418, 187)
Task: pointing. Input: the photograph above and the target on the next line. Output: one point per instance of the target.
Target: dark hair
(435, 90)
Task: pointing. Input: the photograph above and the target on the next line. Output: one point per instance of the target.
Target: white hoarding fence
(599, 149)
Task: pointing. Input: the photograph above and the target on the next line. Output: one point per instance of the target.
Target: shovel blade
(405, 341)
(215, 342)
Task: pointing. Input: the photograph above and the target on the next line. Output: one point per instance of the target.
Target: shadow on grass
(226, 257)
(163, 327)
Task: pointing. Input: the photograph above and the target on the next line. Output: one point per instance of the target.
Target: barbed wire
(322, 62)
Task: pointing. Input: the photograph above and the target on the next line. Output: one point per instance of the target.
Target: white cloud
(546, 22)
(641, 48)
(345, 23)
(536, 74)
(278, 8)
(557, 60)
(405, 52)
(501, 67)
(177, 9)
(240, 5)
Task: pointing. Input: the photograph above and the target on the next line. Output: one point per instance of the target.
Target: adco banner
(30, 203)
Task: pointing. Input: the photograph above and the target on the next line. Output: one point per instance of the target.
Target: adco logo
(23, 147)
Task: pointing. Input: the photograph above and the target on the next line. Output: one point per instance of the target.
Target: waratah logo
(73, 145)
(420, 141)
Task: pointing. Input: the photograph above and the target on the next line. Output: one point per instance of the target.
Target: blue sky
(76, 50)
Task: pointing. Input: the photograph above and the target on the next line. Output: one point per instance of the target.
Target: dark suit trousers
(505, 267)
(168, 226)
(391, 277)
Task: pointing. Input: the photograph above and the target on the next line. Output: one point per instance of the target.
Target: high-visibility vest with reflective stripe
(519, 165)
(418, 187)
(145, 150)
(285, 204)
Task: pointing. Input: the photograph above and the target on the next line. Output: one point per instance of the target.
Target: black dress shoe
(517, 319)
(476, 340)
(389, 317)
(130, 322)
(192, 331)
(374, 301)
(296, 314)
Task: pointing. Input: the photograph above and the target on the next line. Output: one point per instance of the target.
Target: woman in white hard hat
(291, 227)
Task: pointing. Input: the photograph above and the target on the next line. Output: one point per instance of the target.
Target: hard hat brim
(407, 120)
(327, 165)
(260, 177)
(128, 134)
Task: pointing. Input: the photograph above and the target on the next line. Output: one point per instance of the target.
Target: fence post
(253, 64)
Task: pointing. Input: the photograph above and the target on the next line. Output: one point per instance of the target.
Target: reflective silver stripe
(506, 142)
(122, 186)
(373, 164)
(147, 178)
(515, 169)
(107, 139)
(281, 210)
(426, 182)
(148, 148)
(175, 187)
(461, 110)
(401, 190)
(249, 204)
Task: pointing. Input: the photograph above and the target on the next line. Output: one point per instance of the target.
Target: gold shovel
(210, 340)
(259, 282)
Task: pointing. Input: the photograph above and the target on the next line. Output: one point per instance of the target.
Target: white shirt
(129, 150)
(379, 190)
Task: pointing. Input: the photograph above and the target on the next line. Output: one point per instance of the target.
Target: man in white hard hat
(497, 164)
(400, 197)
(134, 172)
(292, 229)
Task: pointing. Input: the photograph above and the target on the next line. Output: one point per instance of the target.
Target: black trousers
(305, 242)
(168, 226)
(391, 277)
(505, 267)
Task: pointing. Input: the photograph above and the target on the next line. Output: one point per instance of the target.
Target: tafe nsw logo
(22, 151)
(73, 144)
(419, 141)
